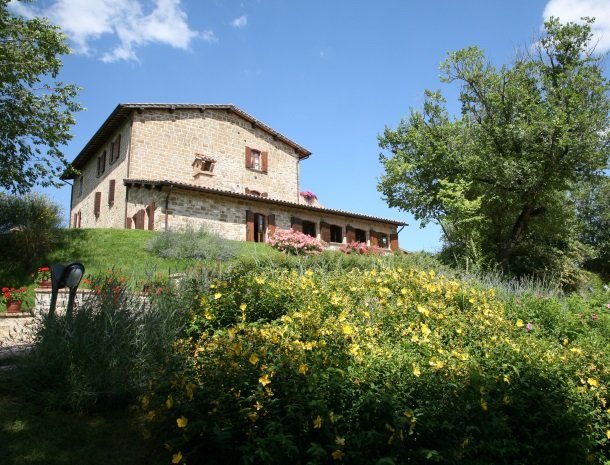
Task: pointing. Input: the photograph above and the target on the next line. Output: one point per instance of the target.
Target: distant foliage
(192, 244)
(295, 242)
(30, 226)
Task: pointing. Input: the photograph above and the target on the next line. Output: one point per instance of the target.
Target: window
(360, 235)
(256, 226)
(101, 164)
(256, 160)
(383, 241)
(336, 234)
(97, 204)
(111, 188)
(203, 165)
(309, 228)
(115, 149)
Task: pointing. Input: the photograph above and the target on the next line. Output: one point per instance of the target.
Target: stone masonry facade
(165, 167)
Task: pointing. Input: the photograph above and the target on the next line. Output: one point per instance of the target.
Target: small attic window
(203, 164)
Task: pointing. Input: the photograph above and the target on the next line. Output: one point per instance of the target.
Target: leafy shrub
(382, 365)
(103, 353)
(29, 227)
(294, 242)
(192, 244)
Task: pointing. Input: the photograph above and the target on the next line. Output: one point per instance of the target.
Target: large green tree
(35, 110)
(498, 177)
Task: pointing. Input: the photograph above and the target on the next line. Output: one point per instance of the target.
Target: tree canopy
(498, 177)
(35, 109)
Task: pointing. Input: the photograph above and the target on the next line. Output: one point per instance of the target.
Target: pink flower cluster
(308, 195)
(290, 241)
(359, 248)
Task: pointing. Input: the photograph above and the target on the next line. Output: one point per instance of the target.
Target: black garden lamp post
(65, 276)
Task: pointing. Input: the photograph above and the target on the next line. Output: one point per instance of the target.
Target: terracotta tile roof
(192, 187)
(124, 110)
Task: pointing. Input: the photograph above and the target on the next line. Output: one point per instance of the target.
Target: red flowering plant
(355, 247)
(11, 294)
(295, 242)
(43, 273)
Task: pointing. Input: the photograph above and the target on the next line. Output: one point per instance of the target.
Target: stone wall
(112, 215)
(165, 143)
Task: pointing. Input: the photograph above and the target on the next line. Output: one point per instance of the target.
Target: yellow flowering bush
(380, 365)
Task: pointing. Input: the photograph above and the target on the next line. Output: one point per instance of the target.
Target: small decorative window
(203, 165)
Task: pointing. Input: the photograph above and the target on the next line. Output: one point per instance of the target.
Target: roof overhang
(191, 187)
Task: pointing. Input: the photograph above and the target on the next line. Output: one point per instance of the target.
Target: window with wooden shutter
(374, 239)
(248, 157)
(360, 235)
(97, 204)
(324, 231)
(139, 218)
(116, 149)
(336, 234)
(80, 216)
(75, 220)
(150, 212)
(394, 242)
(264, 161)
(309, 228)
(350, 234)
(249, 226)
(259, 228)
(271, 224)
(296, 224)
(111, 187)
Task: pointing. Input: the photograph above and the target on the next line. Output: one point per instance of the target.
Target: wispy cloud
(574, 10)
(240, 22)
(87, 21)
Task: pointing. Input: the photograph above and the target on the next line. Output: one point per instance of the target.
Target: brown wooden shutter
(324, 231)
(117, 148)
(97, 205)
(271, 224)
(150, 211)
(139, 218)
(394, 242)
(350, 234)
(248, 157)
(80, 216)
(373, 236)
(129, 223)
(264, 161)
(249, 226)
(296, 224)
(75, 221)
(111, 192)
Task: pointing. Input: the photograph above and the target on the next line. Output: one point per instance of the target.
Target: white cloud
(573, 10)
(86, 21)
(240, 22)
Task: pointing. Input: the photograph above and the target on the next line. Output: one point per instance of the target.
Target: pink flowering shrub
(308, 195)
(287, 240)
(359, 248)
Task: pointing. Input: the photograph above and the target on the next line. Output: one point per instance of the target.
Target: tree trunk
(517, 234)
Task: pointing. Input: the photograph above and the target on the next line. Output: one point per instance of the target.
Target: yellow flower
(483, 404)
(608, 433)
(303, 368)
(317, 423)
(416, 370)
(338, 454)
(519, 323)
(217, 296)
(423, 311)
(347, 330)
(592, 382)
(253, 358)
(264, 380)
(259, 280)
(425, 330)
(243, 307)
(340, 441)
(169, 402)
(182, 421)
(177, 457)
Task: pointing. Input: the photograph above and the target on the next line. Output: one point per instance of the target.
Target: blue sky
(328, 74)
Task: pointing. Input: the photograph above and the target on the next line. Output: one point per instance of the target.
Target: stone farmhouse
(164, 166)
